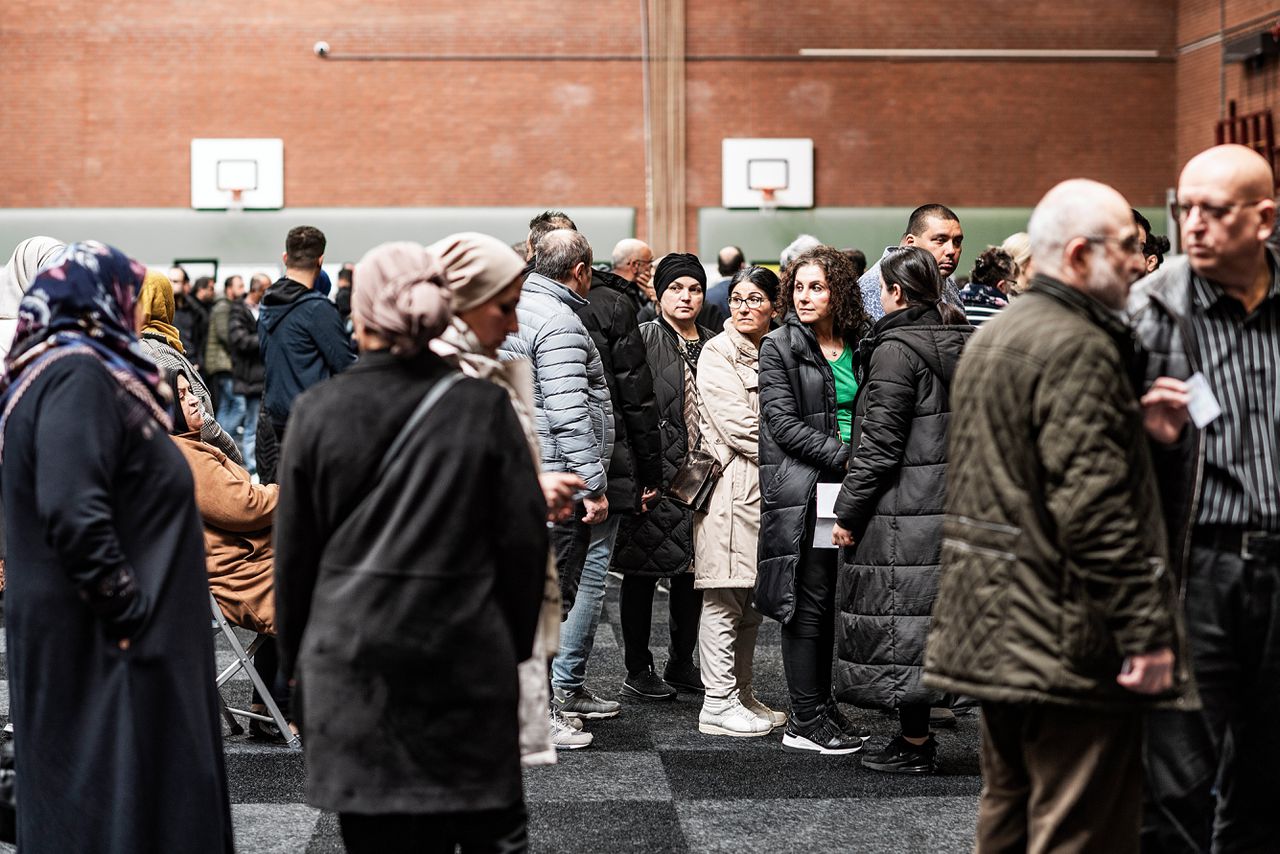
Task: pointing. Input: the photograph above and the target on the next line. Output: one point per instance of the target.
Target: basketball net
(236, 203)
(768, 202)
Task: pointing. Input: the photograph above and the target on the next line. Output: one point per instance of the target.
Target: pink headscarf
(403, 293)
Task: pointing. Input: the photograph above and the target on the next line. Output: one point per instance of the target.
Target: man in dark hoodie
(302, 336)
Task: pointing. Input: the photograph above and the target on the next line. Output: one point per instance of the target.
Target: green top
(846, 391)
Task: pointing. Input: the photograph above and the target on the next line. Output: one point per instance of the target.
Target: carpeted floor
(651, 782)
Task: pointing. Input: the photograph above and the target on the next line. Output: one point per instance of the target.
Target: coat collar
(538, 283)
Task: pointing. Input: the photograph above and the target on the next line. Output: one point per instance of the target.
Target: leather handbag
(693, 482)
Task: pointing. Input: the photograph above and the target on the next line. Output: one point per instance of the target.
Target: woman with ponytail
(891, 504)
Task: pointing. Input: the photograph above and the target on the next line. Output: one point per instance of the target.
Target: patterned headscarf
(83, 304)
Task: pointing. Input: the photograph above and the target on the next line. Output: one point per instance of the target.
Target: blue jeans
(230, 412)
(578, 631)
(249, 441)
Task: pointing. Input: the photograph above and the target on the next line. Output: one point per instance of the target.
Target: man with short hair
(1212, 775)
(632, 261)
(934, 228)
(728, 262)
(572, 408)
(1056, 607)
(190, 317)
(303, 339)
(542, 225)
(246, 362)
(342, 299)
(217, 357)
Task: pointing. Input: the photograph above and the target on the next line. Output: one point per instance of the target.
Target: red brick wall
(102, 99)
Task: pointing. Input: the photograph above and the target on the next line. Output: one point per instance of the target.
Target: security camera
(321, 49)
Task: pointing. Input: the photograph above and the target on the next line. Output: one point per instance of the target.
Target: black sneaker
(683, 675)
(645, 685)
(821, 736)
(902, 757)
(847, 726)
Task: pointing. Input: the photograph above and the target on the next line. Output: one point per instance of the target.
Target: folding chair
(244, 661)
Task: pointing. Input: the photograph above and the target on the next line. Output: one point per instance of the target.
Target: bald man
(633, 261)
(1054, 608)
(1213, 775)
(728, 262)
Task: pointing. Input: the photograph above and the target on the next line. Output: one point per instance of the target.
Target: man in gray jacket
(573, 413)
(934, 228)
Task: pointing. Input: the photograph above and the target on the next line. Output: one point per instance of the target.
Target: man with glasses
(633, 261)
(1212, 775)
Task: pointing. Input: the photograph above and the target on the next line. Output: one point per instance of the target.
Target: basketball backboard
(237, 173)
(767, 173)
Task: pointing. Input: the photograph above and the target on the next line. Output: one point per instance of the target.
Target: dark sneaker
(684, 676)
(942, 717)
(847, 726)
(902, 757)
(581, 703)
(645, 685)
(822, 736)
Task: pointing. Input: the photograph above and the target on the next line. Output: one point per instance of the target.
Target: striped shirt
(1240, 357)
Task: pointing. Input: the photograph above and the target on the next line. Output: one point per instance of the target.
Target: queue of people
(1068, 517)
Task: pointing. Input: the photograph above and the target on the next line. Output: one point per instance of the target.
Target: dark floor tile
(588, 827)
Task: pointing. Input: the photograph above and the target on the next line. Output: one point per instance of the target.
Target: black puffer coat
(660, 542)
(892, 502)
(246, 351)
(636, 461)
(799, 445)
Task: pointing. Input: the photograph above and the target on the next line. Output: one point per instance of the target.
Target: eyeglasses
(1131, 244)
(1212, 213)
(753, 301)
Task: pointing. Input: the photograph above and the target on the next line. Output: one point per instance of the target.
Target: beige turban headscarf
(478, 267)
(16, 276)
(402, 294)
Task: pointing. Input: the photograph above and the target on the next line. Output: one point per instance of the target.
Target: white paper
(1203, 406)
(825, 516)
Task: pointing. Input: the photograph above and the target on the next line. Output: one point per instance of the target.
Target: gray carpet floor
(651, 782)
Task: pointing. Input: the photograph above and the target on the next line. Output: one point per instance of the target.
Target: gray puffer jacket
(574, 414)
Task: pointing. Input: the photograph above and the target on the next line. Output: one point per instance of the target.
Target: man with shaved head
(1055, 608)
(1213, 774)
(728, 263)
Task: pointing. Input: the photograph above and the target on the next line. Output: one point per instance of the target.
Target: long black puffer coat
(799, 445)
(660, 542)
(892, 502)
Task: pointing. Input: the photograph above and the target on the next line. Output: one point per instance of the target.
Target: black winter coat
(892, 501)
(246, 351)
(660, 542)
(410, 599)
(799, 446)
(636, 461)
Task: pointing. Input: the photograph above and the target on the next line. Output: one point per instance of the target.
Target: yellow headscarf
(155, 308)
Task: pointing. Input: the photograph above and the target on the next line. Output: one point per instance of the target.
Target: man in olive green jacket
(1056, 607)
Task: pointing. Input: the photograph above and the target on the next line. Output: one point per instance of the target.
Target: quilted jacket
(610, 318)
(799, 446)
(660, 542)
(1054, 558)
(572, 410)
(892, 503)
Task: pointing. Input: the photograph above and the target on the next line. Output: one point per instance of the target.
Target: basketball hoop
(768, 201)
(236, 203)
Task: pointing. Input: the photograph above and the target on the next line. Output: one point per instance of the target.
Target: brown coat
(725, 538)
(237, 516)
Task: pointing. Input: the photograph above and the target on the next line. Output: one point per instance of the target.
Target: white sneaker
(564, 736)
(730, 717)
(773, 716)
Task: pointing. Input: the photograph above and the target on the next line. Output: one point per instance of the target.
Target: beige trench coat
(725, 537)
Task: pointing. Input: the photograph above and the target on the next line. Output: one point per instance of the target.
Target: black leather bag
(693, 482)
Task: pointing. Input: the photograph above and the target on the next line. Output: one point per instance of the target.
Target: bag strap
(429, 400)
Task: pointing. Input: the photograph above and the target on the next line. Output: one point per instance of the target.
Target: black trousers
(808, 638)
(570, 541)
(1212, 775)
(635, 612)
(503, 831)
(914, 721)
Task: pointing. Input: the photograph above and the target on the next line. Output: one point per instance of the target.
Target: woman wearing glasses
(726, 537)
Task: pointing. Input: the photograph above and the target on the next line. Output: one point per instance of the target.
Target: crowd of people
(1048, 489)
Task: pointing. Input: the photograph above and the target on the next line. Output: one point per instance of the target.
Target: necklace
(832, 352)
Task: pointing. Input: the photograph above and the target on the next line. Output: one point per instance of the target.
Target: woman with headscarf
(409, 574)
(659, 543)
(161, 341)
(111, 670)
(16, 276)
(485, 277)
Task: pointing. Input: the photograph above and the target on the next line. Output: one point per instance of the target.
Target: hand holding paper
(1165, 408)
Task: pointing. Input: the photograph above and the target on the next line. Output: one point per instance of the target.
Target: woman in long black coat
(802, 445)
(659, 543)
(405, 598)
(890, 506)
(111, 673)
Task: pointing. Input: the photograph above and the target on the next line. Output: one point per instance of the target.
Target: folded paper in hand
(826, 515)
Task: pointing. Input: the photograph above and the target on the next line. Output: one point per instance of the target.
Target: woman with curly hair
(807, 387)
(994, 276)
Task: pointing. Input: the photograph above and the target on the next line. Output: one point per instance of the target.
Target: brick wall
(101, 99)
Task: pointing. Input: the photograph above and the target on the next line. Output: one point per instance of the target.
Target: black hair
(920, 217)
(916, 272)
(858, 259)
(1157, 245)
(346, 274)
(762, 277)
(304, 246)
(992, 266)
(179, 417)
(733, 265)
(546, 222)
